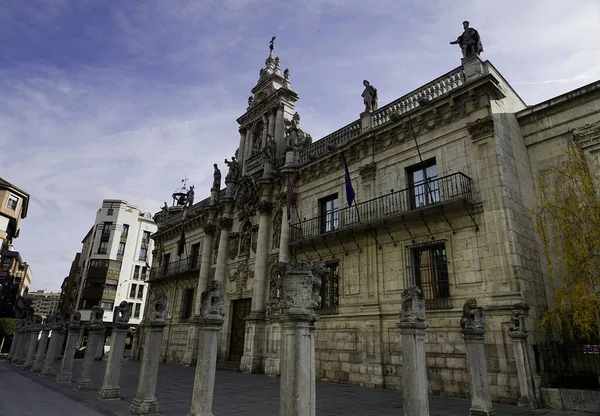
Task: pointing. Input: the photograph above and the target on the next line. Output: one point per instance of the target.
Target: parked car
(79, 352)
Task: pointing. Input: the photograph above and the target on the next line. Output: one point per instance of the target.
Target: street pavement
(26, 394)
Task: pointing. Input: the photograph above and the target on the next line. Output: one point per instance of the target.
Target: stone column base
(37, 367)
(144, 407)
(272, 367)
(84, 385)
(48, 371)
(473, 412)
(28, 365)
(108, 393)
(525, 401)
(251, 365)
(64, 378)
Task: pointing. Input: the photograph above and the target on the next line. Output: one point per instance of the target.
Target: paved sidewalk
(25, 394)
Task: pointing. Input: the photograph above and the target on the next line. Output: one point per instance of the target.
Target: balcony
(454, 188)
(174, 268)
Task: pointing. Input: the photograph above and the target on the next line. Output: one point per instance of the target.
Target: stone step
(228, 365)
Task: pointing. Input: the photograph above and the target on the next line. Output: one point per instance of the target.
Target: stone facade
(466, 233)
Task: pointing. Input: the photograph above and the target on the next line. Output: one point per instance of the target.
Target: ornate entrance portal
(241, 308)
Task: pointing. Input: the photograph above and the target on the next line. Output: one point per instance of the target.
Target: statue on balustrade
(190, 196)
(469, 42)
(369, 97)
(295, 137)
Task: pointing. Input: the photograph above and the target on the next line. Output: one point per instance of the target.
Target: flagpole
(425, 180)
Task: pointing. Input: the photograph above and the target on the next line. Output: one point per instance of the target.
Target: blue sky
(122, 99)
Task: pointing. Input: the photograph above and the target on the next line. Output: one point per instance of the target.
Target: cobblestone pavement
(25, 394)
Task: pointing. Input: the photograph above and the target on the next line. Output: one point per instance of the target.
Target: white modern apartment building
(115, 261)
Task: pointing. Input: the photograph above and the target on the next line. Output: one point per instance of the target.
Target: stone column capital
(225, 223)
(300, 287)
(209, 228)
(265, 207)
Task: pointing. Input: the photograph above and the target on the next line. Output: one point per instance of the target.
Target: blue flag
(349, 189)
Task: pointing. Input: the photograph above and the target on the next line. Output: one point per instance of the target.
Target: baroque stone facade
(453, 220)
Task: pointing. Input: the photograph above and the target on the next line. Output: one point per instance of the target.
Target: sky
(122, 99)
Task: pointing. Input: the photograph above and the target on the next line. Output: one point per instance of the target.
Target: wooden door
(241, 308)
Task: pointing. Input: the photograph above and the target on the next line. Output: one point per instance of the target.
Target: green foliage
(568, 223)
(7, 327)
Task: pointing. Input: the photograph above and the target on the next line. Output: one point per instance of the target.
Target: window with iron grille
(329, 213)
(428, 269)
(423, 184)
(330, 289)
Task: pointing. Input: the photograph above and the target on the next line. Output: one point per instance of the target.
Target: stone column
(144, 402)
(57, 337)
(135, 344)
(110, 387)
(84, 383)
(34, 332)
(15, 340)
(300, 285)
(100, 345)
(66, 368)
(242, 149)
(472, 326)
(518, 334)
(251, 361)
(25, 344)
(412, 328)
(41, 350)
(225, 224)
(191, 351)
(211, 322)
(284, 239)
(20, 337)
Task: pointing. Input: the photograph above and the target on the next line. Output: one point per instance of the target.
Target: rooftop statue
(216, 178)
(469, 41)
(369, 97)
(234, 168)
(190, 196)
(295, 137)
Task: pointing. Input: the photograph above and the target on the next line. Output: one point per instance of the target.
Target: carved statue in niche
(240, 276)
(257, 138)
(269, 149)
(469, 42)
(295, 137)
(254, 237)
(277, 228)
(246, 236)
(234, 239)
(247, 197)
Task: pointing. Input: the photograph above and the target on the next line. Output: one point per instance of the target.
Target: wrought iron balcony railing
(456, 186)
(174, 268)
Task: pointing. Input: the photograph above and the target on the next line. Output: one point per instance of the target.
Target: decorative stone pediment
(481, 128)
(588, 135)
(240, 276)
(367, 172)
(247, 197)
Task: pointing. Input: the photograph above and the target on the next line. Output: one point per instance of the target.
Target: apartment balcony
(439, 193)
(175, 268)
